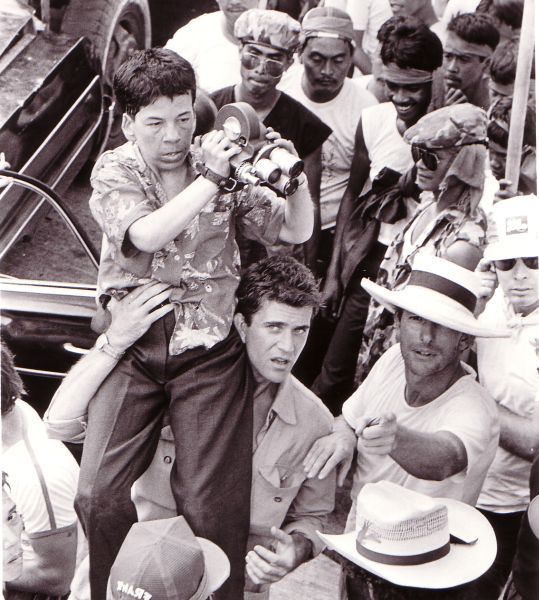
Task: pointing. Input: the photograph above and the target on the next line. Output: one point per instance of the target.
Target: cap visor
(464, 563)
(513, 249)
(217, 564)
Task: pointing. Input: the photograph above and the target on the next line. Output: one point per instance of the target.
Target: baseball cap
(163, 560)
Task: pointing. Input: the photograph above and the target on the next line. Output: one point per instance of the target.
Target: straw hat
(404, 537)
(440, 291)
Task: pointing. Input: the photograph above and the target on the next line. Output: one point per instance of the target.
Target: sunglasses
(272, 67)
(506, 264)
(429, 157)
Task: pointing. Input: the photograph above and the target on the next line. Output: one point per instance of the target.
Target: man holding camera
(163, 223)
(268, 40)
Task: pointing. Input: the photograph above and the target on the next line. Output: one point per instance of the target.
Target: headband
(502, 89)
(481, 50)
(395, 74)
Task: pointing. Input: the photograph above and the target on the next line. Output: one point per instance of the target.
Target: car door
(47, 291)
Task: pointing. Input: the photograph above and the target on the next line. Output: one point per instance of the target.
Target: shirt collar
(284, 403)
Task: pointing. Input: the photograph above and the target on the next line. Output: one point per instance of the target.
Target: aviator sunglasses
(506, 264)
(429, 157)
(274, 68)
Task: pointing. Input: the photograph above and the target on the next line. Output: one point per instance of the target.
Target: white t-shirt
(367, 16)
(386, 148)
(60, 471)
(508, 369)
(342, 115)
(214, 57)
(465, 409)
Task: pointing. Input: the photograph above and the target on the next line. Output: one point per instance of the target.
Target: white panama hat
(440, 291)
(513, 230)
(403, 537)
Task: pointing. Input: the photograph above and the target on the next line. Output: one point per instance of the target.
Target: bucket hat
(163, 560)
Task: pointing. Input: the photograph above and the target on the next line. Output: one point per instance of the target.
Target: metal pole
(520, 95)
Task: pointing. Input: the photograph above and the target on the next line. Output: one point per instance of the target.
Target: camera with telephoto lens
(260, 160)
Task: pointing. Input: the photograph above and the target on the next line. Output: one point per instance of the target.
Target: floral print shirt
(450, 225)
(201, 263)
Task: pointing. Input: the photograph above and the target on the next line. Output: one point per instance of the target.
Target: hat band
(395, 74)
(336, 25)
(444, 286)
(411, 559)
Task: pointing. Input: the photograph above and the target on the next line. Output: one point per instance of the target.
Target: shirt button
(168, 459)
(278, 499)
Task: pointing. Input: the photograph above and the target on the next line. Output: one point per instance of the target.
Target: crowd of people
(257, 339)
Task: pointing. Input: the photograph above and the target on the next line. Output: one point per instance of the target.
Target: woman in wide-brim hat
(449, 148)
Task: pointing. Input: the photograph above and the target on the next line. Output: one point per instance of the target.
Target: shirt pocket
(274, 489)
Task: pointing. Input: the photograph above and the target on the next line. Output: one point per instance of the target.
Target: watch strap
(222, 182)
(103, 345)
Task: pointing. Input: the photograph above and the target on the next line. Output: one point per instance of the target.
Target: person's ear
(465, 342)
(289, 59)
(128, 123)
(241, 326)
(486, 67)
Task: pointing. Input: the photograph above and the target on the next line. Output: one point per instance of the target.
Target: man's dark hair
(150, 74)
(280, 279)
(410, 44)
(11, 386)
(500, 112)
(508, 12)
(475, 28)
(503, 64)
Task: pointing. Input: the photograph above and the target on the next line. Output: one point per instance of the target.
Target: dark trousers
(506, 527)
(335, 383)
(209, 393)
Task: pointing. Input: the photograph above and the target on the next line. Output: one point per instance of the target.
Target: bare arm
(519, 435)
(153, 231)
(361, 59)
(359, 173)
(131, 318)
(432, 456)
(53, 567)
(313, 170)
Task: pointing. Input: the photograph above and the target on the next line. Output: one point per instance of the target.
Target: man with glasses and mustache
(508, 368)
(268, 40)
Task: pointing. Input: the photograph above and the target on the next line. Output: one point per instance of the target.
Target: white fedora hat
(513, 229)
(440, 291)
(413, 540)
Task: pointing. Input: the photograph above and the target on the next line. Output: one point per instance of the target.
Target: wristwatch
(222, 182)
(103, 345)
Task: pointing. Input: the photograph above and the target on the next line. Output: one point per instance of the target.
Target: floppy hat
(513, 229)
(163, 560)
(409, 539)
(268, 28)
(440, 291)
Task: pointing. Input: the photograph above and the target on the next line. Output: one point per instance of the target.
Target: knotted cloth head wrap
(268, 28)
(326, 21)
(460, 126)
(393, 73)
(455, 125)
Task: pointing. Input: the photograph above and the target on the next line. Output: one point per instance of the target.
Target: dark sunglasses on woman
(506, 264)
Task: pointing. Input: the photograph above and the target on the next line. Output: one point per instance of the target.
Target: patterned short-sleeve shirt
(201, 263)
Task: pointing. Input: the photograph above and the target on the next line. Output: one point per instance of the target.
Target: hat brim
(433, 306)
(217, 564)
(464, 563)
